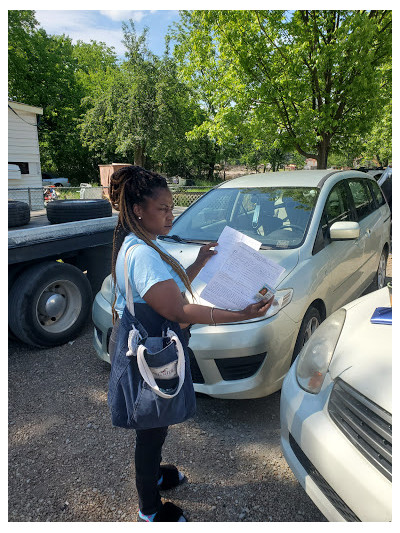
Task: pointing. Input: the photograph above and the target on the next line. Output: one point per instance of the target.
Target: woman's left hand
(205, 253)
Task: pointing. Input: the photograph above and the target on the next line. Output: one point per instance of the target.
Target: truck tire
(72, 210)
(49, 303)
(19, 213)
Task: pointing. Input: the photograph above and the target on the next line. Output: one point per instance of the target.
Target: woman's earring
(140, 218)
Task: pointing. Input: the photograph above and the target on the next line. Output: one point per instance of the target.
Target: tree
(42, 72)
(21, 28)
(124, 112)
(315, 76)
(143, 113)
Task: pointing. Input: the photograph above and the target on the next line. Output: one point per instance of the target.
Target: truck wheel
(19, 213)
(311, 321)
(71, 210)
(49, 304)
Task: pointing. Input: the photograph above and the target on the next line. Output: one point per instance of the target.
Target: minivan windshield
(278, 218)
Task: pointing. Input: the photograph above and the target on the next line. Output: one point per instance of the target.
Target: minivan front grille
(365, 424)
(197, 376)
(234, 368)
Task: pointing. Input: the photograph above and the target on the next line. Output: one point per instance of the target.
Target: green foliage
(256, 87)
(42, 72)
(143, 113)
(313, 77)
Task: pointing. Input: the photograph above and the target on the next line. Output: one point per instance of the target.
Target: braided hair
(132, 185)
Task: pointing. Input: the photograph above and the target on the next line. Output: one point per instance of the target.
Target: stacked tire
(19, 213)
(62, 211)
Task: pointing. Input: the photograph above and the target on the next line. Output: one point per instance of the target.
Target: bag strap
(147, 374)
(128, 291)
(142, 363)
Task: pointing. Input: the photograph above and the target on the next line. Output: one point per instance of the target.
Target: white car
(329, 230)
(48, 178)
(336, 413)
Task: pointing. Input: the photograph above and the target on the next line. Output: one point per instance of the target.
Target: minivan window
(278, 218)
(337, 209)
(377, 193)
(362, 198)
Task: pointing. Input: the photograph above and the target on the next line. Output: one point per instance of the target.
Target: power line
(13, 110)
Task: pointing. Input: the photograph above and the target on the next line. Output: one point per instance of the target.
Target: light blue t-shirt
(145, 268)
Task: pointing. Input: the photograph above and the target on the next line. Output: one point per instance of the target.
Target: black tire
(19, 213)
(72, 210)
(312, 319)
(380, 276)
(49, 304)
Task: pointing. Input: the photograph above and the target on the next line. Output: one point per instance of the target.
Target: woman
(158, 284)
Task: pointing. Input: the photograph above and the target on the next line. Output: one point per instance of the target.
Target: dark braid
(132, 185)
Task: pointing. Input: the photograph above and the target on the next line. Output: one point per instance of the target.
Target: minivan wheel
(380, 276)
(311, 321)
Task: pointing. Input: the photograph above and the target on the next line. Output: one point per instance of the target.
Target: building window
(24, 167)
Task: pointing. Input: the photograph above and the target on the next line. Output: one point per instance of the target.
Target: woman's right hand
(257, 310)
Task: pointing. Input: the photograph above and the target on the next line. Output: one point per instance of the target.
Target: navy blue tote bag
(150, 381)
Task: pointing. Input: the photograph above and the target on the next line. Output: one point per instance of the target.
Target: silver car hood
(186, 254)
(363, 355)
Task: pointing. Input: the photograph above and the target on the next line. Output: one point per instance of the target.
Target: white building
(25, 179)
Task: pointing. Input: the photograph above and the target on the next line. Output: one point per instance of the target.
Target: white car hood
(363, 355)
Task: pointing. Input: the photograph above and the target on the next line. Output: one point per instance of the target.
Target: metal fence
(35, 196)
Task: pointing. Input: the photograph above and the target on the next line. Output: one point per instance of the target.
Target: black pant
(149, 443)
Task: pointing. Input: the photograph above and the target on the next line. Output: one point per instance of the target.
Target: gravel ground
(68, 464)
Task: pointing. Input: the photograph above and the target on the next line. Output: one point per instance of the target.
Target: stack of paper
(237, 272)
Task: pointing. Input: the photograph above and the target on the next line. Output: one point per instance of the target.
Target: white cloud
(81, 25)
(136, 16)
(63, 21)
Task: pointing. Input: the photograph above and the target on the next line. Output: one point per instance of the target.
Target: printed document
(227, 241)
(236, 283)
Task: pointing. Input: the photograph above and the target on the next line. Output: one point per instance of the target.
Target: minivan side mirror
(340, 231)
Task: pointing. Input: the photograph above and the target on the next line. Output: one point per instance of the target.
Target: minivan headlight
(107, 289)
(315, 357)
(281, 299)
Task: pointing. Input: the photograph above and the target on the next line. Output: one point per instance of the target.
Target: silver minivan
(329, 230)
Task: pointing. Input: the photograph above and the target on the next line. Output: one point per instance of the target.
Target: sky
(106, 25)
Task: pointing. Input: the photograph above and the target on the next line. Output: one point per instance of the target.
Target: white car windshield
(278, 218)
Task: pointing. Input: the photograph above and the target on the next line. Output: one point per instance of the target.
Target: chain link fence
(185, 196)
(35, 196)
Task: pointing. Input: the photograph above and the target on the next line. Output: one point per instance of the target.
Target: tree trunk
(139, 155)
(211, 170)
(323, 151)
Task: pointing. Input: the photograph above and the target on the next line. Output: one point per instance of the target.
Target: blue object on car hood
(382, 315)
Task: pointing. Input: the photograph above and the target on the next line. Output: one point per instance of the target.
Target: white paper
(227, 241)
(242, 275)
